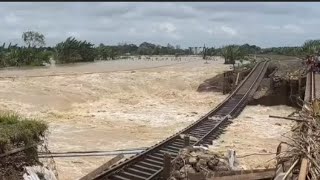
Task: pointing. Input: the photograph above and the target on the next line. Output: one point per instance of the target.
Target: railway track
(310, 93)
(312, 86)
(149, 164)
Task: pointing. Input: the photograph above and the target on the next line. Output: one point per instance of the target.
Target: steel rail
(150, 159)
(244, 98)
(313, 87)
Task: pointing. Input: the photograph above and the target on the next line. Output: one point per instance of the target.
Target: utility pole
(204, 52)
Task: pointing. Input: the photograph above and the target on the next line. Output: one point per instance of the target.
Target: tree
(146, 48)
(311, 47)
(72, 50)
(231, 53)
(33, 39)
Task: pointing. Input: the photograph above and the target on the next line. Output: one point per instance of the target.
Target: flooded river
(112, 105)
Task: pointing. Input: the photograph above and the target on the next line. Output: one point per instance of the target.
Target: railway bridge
(149, 164)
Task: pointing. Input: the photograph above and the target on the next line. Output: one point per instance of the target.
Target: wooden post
(224, 83)
(186, 140)
(303, 169)
(166, 166)
(267, 174)
(237, 79)
(288, 118)
(304, 164)
(299, 86)
(17, 150)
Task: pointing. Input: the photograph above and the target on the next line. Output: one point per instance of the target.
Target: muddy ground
(133, 103)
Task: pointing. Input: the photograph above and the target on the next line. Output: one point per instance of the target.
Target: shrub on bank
(16, 131)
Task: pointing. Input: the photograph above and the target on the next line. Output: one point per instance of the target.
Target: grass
(16, 131)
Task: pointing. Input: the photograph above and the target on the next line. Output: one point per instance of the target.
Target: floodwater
(114, 105)
(130, 103)
(255, 136)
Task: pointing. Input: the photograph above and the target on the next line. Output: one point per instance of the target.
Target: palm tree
(311, 47)
(231, 53)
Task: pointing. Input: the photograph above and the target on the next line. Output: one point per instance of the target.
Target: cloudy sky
(185, 23)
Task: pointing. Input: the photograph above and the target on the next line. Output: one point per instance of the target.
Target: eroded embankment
(254, 133)
(280, 85)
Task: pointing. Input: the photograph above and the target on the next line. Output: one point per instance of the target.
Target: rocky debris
(260, 93)
(287, 68)
(277, 82)
(38, 173)
(182, 136)
(198, 161)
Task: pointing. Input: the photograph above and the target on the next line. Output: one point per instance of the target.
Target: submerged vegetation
(72, 50)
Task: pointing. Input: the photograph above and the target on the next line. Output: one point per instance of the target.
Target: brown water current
(123, 104)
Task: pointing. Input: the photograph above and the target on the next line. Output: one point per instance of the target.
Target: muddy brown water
(133, 103)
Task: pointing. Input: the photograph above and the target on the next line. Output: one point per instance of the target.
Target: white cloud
(132, 30)
(288, 28)
(73, 34)
(11, 18)
(175, 36)
(210, 31)
(293, 28)
(228, 30)
(52, 34)
(272, 27)
(167, 27)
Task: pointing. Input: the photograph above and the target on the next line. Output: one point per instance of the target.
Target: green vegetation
(72, 50)
(232, 53)
(32, 55)
(311, 46)
(23, 56)
(109, 52)
(16, 131)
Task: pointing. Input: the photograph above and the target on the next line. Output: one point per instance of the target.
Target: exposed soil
(214, 84)
(12, 167)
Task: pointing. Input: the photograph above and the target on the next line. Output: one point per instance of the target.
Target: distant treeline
(35, 53)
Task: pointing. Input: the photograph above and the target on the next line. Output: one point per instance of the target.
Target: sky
(187, 24)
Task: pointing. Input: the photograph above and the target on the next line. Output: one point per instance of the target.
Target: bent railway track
(149, 164)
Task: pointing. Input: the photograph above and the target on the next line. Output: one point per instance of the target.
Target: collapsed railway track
(148, 164)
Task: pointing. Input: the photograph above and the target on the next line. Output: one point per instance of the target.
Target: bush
(24, 56)
(16, 131)
(73, 50)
